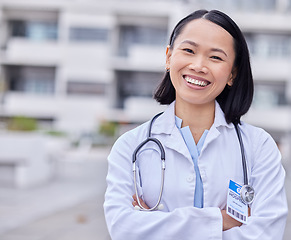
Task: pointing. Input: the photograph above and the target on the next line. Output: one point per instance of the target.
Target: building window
(270, 94)
(135, 84)
(89, 34)
(86, 88)
(255, 5)
(214, 4)
(141, 35)
(38, 80)
(269, 45)
(34, 30)
(241, 5)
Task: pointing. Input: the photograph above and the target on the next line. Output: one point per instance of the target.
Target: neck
(197, 117)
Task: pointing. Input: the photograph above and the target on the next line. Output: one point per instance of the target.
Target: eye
(188, 50)
(217, 58)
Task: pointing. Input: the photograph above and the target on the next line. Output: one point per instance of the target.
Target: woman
(208, 86)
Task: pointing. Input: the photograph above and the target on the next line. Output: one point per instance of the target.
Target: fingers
(135, 203)
(228, 221)
(134, 197)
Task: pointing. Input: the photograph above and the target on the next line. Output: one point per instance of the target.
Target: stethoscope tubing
(156, 207)
(243, 158)
(247, 191)
(149, 139)
(163, 167)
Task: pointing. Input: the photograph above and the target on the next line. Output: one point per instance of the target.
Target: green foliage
(22, 123)
(108, 128)
(56, 133)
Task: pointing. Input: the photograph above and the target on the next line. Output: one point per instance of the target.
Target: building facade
(72, 64)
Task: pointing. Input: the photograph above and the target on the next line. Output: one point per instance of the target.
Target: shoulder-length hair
(236, 100)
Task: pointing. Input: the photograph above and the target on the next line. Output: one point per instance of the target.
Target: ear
(168, 56)
(232, 77)
(230, 81)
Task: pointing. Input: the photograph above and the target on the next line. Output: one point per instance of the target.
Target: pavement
(70, 207)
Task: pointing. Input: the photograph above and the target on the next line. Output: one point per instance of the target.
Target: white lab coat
(219, 162)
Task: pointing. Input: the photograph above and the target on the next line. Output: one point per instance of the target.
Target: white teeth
(196, 82)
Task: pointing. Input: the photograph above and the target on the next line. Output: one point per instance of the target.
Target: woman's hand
(229, 222)
(134, 202)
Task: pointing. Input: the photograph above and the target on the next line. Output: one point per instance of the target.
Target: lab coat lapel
(219, 122)
(171, 137)
(211, 136)
(168, 133)
(165, 123)
(176, 142)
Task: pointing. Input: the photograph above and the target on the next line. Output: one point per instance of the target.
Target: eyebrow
(197, 45)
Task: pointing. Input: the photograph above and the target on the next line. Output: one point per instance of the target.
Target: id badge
(236, 208)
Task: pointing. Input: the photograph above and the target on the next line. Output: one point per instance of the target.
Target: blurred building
(73, 63)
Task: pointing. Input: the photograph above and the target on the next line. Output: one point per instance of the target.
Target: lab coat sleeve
(269, 209)
(126, 223)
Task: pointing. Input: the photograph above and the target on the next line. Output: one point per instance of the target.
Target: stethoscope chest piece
(247, 194)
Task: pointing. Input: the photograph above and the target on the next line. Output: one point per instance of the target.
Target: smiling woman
(210, 154)
(201, 58)
(236, 102)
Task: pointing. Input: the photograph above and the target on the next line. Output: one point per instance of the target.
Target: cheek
(177, 61)
(176, 66)
(223, 75)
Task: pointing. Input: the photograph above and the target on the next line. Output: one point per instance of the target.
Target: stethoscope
(247, 192)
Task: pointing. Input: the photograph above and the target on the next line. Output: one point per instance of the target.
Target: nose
(198, 65)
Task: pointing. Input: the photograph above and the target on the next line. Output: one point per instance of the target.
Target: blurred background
(75, 74)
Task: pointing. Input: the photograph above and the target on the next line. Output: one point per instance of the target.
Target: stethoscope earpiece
(161, 207)
(157, 206)
(247, 192)
(137, 208)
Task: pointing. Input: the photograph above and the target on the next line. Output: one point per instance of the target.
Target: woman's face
(201, 62)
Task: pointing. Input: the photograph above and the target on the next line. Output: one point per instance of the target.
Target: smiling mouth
(200, 83)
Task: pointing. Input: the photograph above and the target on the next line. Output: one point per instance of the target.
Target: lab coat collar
(219, 119)
(219, 123)
(166, 122)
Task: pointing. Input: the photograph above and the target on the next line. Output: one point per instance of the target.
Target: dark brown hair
(236, 100)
